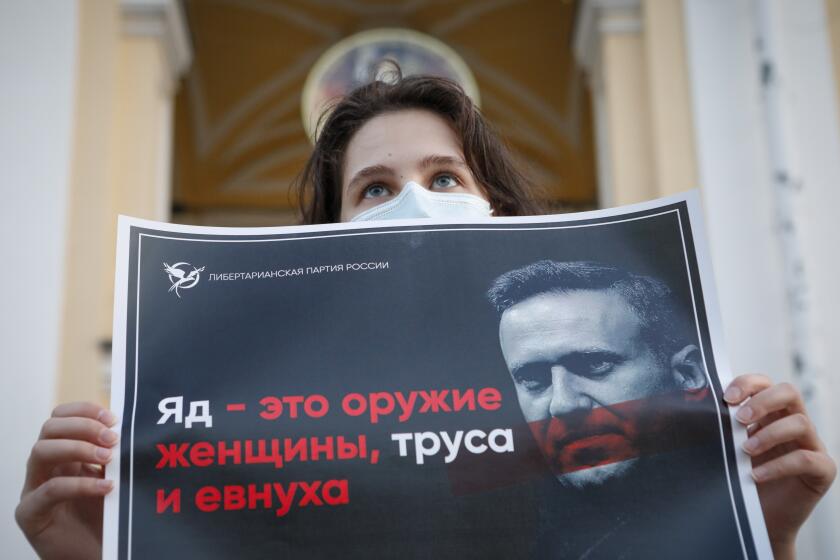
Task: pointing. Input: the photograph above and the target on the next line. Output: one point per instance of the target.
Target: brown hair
(319, 184)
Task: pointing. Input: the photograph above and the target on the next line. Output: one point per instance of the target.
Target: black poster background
(423, 323)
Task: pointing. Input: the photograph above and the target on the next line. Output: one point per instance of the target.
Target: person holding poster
(418, 148)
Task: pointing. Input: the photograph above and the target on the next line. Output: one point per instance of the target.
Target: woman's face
(394, 148)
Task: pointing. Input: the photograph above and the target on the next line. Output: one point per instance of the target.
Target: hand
(60, 509)
(790, 463)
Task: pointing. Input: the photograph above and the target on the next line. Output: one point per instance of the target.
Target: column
(81, 368)
(609, 45)
(130, 60)
(767, 138)
(38, 43)
(672, 128)
(633, 52)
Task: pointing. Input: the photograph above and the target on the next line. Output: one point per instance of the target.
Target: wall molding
(162, 19)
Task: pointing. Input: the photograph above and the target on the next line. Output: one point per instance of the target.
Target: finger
(38, 503)
(796, 428)
(816, 469)
(86, 410)
(67, 469)
(49, 453)
(78, 469)
(745, 386)
(78, 428)
(783, 396)
(752, 429)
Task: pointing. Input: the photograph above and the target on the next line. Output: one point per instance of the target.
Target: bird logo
(181, 277)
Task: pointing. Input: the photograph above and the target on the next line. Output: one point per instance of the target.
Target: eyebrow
(541, 364)
(434, 159)
(426, 162)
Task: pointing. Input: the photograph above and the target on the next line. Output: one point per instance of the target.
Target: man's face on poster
(578, 359)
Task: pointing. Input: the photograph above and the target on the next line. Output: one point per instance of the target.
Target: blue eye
(376, 191)
(445, 181)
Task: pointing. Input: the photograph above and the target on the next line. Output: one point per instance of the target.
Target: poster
(540, 387)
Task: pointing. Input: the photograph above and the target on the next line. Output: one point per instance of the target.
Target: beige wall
(627, 102)
(674, 160)
(122, 137)
(86, 286)
(634, 54)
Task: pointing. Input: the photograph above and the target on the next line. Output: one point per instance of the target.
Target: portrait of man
(610, 380)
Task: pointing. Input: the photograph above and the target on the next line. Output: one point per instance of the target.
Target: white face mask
(416, 202)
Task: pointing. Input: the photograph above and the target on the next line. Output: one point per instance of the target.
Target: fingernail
(759, 473)
(103, 454)
(744, 414)
(105, 484)
(108, 437)
(107, 417)
(732, 394)
(751, 445)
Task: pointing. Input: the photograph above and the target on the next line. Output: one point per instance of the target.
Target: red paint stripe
(600, 436)
(589, 438)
